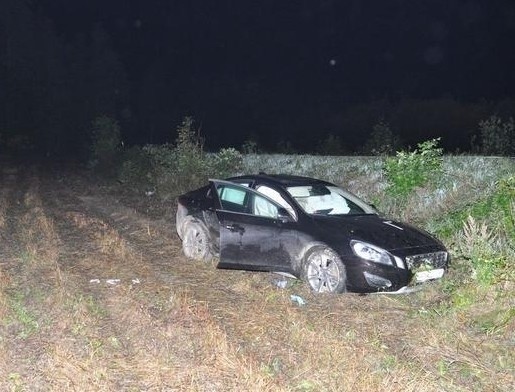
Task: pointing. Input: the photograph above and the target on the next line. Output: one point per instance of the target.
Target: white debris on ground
(113, 282)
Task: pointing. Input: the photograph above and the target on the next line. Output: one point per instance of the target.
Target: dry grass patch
(3, 207)
(4, 308)
(37, 231)
(443, 341)
(4, 314)
(112, 243)
(107, 238)
(349, 342)
(65, 370)
(166, 341)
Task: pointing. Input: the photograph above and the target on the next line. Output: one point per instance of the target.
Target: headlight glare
(370, 252)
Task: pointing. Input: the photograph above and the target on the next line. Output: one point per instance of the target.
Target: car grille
(435, 260)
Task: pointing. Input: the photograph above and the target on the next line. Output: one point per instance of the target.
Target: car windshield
(322, 199)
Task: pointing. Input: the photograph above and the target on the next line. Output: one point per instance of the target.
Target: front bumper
(365, 276)
(402, 290)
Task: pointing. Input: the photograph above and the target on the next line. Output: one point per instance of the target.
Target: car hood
(385, 233)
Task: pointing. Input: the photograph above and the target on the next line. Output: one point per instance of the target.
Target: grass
(22, 318)
(186, 326)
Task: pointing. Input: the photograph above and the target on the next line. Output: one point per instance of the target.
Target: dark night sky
(283, 68)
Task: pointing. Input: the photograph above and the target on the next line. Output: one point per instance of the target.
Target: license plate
(423, 276)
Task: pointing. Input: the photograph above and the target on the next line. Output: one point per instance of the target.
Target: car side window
(263, 207)
(276, 196)
(233, 198)
(236, 199)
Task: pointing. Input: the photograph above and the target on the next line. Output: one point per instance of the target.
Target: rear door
(255, 231)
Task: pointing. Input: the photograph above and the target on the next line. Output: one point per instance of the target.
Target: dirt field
(96, 295)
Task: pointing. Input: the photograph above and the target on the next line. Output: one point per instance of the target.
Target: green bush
(161, 156)
(180, 167)
(136, 168)
(227, 162)
(409, 170)
(106, 145)
(175, 169)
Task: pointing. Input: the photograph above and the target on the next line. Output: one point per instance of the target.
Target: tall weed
(481, 236)
(479, 244)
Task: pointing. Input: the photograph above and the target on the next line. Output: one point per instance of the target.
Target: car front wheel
(324, 271)
(195, 243)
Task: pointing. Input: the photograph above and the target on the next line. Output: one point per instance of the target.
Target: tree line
(52, 89)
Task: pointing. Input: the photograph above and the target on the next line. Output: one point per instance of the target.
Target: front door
(255, 232)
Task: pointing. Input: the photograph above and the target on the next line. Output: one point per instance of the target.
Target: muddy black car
(308, 228)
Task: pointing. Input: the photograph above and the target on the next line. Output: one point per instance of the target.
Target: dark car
(308, 228)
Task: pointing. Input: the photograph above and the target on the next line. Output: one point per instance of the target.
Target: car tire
(324, 271)
(196, 243)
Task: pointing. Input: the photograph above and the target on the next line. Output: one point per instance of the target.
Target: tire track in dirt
(153, 325)
(14, 186)
(128, 322)
(27, 254)
(48, 249)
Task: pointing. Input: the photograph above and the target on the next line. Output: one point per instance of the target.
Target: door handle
(235, 228)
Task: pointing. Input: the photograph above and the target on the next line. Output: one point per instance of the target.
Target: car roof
(282, 180)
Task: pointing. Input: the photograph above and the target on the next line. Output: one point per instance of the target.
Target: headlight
(371, 252)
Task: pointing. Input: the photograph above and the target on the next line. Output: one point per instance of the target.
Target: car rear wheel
(324, 271)
(195, 243)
